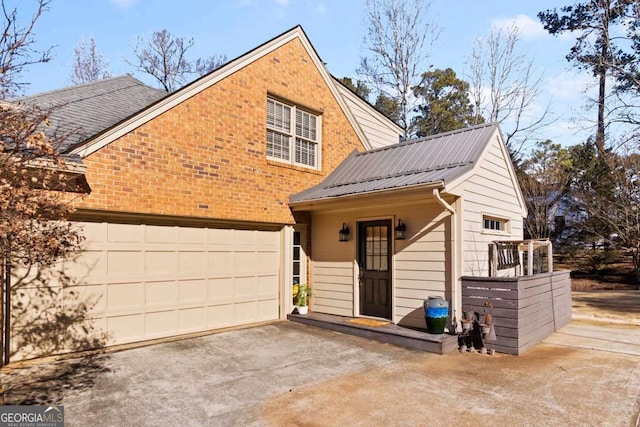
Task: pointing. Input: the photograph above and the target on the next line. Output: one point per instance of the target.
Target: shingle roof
(88, 109)
(438, 158)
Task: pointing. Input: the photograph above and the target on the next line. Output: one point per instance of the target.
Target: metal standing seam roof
(437, 158)
(83, 111)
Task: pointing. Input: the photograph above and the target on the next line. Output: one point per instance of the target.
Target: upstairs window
(293, 135)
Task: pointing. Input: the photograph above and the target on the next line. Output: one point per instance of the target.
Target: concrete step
(390, 333)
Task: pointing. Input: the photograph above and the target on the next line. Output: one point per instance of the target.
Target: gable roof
(84, 111)
(95, 143)
(433, 160)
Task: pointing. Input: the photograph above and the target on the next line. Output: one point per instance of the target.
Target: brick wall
(207, 156)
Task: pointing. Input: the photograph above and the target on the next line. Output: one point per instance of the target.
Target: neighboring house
(207, 204)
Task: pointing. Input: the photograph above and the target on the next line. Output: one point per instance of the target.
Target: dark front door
(374, 259)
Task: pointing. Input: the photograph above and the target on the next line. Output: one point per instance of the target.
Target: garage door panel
(161, 294)
(94, 231)
(220, 289)
(125, 296)
(267, 309)
(123, 329)
(125, 233)
(193, 291)
(268, 263)
(268, 286)
(220, 316)
(92, 296)
(90, 263)
(245, 263)
(244, 238)
(268, 239)
(194, 236)
(161, 324)
(161, 262)
(159, 234)
(192, 319)
(192, 263)
(245, 287)
(220, 264)
(220, 237)
(158, 281)
(245, 312)
(125, 264)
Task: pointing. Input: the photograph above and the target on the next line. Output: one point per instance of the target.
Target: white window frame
(504, 223)
(291, 135)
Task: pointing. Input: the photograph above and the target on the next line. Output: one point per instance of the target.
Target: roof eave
(318, 204)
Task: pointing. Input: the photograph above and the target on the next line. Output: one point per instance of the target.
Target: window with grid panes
(494, 224)
(293, 135)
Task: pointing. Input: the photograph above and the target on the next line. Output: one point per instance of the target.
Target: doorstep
(390, 333)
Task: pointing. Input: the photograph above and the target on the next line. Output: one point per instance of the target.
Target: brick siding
(206, 157)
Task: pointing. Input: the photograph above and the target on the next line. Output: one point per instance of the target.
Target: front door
(374, 259)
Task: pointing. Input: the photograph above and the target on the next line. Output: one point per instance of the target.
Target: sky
(336, 29)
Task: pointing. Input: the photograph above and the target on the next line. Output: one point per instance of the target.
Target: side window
(297, 259)
(495, 224)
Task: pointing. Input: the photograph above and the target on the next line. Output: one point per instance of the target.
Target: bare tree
(88, 64)
(202, 66)
(17, 48)
(164, 57)
(35, 202)
(505, 87)
(398, 46)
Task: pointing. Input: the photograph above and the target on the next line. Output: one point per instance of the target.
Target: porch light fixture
(400, 230)
(344, 232)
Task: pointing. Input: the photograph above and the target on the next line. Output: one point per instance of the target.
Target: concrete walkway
(604, 321)
(598, 335)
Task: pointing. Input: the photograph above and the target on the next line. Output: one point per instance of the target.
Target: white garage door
(159, 281)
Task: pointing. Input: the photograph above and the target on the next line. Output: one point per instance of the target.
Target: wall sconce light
(400, 230)
(344, 232)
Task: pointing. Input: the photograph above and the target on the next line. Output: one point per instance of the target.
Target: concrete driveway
(290, 374)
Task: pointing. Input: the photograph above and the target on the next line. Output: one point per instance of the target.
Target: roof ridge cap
(428, 138)
(87, 84)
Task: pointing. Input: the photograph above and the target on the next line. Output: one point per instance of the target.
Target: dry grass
(598, 270)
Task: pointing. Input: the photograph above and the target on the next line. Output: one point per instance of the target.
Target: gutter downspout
(447, 206)
(454, 267)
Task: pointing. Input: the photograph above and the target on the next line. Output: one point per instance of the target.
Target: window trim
(503, 221)
(292, 136)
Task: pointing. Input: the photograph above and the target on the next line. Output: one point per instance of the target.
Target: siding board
(542, 305)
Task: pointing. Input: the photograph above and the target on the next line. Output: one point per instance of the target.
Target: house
(451, 194)
(208, 203)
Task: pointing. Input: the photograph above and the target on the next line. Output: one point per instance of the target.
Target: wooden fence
(526, 309)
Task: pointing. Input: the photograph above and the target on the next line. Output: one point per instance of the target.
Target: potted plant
(488, 319)
(302, 298)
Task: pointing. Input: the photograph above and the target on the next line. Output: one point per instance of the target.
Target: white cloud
(320, 8)
(283, 2)
(569, 85)
(530, 28)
